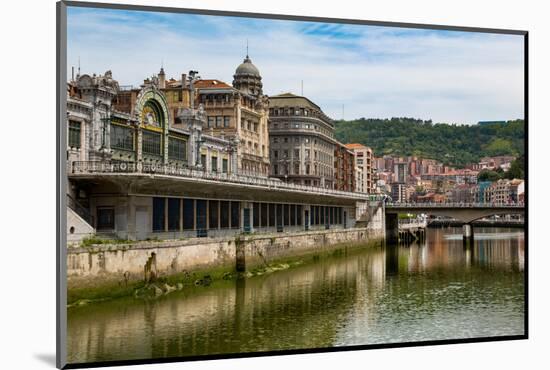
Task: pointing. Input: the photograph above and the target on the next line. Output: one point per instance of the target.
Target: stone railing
(110, 167)
(454, 205)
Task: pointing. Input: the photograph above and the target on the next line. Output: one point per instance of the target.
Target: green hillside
(451, 144)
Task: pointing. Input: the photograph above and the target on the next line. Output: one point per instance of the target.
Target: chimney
(183, 80)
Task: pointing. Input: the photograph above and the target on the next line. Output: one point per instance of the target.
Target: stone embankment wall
(143, 260)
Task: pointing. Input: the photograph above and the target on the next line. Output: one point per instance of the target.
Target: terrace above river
(104, 169)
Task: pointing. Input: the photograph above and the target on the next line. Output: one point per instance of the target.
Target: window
(210, 122)
(296, 139)
(173, 214)
(213, 214)
(180, 95)
(296, 168)
(224, 165)
(224, 214)
(177, 148)
(271, 214)
(296, 153)
(74, 134)
(203, 160)
(226, 121)
(307, 152)
(159, 205)
(275, 139)
(307, 169)
(293, 215)
(276, 154)
(219, 121)
(122, 137)
(263, 215)
(285, 214)
(214, 166)
(275, 169)
(285, 153)
(235, 212)
(151, 143)
(105, 218)
(188, 214)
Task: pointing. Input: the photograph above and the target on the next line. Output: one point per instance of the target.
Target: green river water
(432, 291)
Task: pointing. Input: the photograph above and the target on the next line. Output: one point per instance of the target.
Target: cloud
(446, 76)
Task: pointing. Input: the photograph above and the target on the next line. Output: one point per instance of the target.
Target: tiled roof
(211, 84)
(355, 146)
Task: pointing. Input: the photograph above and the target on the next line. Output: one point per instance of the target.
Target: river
(430, 291)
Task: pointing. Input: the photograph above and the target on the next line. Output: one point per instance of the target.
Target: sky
(350, 71)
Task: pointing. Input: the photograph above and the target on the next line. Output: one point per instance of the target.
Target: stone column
(392, 228)
(468, 234)
(131, 217)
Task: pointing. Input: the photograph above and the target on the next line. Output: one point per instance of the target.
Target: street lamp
(193, 76)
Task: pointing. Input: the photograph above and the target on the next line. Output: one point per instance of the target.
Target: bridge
(462, 212)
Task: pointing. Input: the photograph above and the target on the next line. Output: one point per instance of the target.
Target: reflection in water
(437, 290)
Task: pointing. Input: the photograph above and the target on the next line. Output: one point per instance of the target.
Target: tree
(488, 175)
(516, 170)
(451, 144)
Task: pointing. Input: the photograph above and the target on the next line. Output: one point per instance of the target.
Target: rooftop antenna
(247, 48)
(78, 75)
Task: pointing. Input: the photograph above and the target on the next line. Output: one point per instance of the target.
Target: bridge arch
(465, 213)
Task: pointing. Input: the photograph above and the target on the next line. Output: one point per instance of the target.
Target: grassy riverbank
(104, 289)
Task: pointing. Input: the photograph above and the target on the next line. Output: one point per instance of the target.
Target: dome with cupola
(247, 68)
(247, 78)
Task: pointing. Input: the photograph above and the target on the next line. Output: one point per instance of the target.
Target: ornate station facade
(187, 157)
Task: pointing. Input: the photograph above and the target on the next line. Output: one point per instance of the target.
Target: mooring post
(240, 255)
